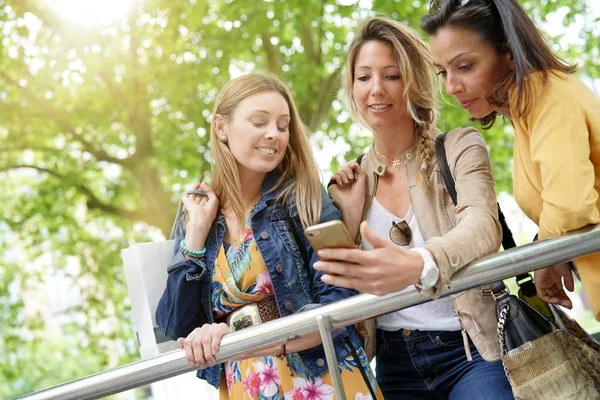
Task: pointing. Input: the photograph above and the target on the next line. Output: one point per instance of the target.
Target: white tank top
(436, 315)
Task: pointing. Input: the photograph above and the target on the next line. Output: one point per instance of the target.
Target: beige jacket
(455, 236)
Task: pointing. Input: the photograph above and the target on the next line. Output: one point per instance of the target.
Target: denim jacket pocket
(287, 238)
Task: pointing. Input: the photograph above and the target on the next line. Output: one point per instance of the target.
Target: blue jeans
(434, 365)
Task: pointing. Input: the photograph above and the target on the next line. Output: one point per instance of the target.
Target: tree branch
(273, 59)
(64, 124)
(113, 90)
(308, 42)
(34, 147)
(92, 200)
(140, 121)
(320, 36)
(329, 88)
(53, 22)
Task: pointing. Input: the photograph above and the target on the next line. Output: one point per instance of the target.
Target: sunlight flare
(91, 11)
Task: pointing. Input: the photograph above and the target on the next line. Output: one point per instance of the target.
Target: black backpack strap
(360, 367)
(360, 158)
(508, 241)
(358, 161)
(442, 160)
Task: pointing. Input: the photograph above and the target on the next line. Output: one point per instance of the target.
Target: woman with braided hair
(410, 231)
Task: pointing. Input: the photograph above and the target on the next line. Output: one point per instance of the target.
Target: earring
(224, 138)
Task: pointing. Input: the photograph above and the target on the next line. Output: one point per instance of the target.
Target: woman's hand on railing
(549, 284)
(202, 344)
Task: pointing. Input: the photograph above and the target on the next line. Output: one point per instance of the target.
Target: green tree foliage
(101, 127)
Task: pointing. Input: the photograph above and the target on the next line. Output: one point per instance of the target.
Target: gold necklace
(395, 163)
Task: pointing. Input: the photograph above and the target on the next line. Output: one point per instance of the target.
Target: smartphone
(332, 234)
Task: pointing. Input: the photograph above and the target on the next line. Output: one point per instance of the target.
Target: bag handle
(181, 209)
(508, 242)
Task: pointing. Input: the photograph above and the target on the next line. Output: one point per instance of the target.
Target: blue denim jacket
(186, 301)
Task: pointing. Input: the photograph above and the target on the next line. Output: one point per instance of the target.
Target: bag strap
(181, 209)
(508, 241)
(360, 158)
(356, 358)
(358, 161)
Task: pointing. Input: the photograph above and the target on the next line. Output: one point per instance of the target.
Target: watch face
(431, 277)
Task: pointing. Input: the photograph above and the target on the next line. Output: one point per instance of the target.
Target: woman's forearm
(196, 234)
(352, 220)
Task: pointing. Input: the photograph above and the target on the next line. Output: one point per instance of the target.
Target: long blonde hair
(417, 72)
(298, 170)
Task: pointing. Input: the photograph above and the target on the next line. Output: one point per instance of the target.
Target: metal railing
(320, 320)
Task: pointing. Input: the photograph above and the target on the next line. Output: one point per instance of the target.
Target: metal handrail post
(324, 325)
(502, 265)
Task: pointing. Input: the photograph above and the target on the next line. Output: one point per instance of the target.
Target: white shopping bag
(146, 275)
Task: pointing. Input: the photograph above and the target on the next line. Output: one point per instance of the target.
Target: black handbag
(518, 323)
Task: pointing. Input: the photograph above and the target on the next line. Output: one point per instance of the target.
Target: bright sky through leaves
(91, 11)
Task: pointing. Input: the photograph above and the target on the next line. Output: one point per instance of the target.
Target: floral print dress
(240, 277)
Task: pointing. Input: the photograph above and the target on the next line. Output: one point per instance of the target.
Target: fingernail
(326, 278)
(318, 264)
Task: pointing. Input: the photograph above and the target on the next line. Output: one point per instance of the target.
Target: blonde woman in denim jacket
(413, 234)
(241, 251)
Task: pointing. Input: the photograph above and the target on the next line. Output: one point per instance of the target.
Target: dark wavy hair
(505, 25)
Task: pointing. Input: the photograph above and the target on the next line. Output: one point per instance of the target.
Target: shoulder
(549, 93)
(556, 84)
(460, 138)
(369, 161)
(466, 146)
(552, 87)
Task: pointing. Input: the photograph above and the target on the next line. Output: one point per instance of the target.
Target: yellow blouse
(557, 165)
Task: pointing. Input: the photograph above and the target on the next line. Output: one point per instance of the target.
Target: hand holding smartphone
(332, 234)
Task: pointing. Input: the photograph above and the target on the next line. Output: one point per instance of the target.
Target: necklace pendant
(396, 164)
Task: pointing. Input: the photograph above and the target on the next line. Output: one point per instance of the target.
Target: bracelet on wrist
(191, 253)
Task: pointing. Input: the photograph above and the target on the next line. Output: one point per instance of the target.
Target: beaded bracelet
(191, 253)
